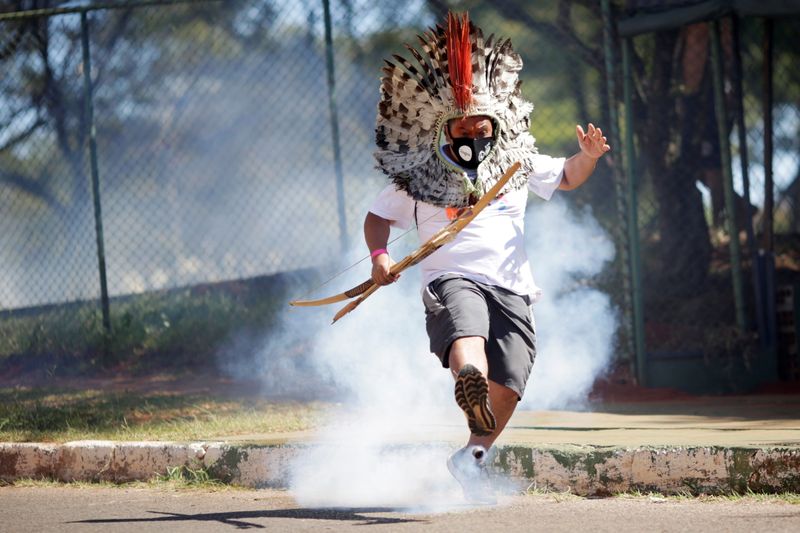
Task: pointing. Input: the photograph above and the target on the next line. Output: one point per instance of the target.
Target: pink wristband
(376, 253)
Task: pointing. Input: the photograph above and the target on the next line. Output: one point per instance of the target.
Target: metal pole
(633, 217)
(727, 174)
(769, 242)
(619, 182)
(769, 205)
(337, 153)
(743, 159)
(98, 216)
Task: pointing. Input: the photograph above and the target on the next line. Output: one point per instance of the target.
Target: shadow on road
(237, 518)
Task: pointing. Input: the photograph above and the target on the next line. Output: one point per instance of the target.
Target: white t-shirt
(491, 248)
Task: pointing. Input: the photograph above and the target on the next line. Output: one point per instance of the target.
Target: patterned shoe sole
(472, 396)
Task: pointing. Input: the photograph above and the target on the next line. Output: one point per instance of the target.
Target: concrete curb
(582, 470)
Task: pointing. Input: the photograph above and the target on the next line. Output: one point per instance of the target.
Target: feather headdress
(455, 73)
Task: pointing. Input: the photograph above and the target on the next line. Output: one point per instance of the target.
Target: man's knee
(465, 350)
(468, 344)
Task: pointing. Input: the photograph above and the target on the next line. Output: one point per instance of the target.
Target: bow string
(364, 290)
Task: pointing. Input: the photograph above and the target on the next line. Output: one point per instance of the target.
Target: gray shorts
(457, 307)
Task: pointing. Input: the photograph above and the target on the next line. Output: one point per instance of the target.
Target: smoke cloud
(575, 323)
(387, 443)
(395, 396)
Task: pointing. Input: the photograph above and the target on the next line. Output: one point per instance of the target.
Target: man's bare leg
(468, 350)
(503, 401)
(468, 465)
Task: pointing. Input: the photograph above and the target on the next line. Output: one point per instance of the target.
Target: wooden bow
(439, 239)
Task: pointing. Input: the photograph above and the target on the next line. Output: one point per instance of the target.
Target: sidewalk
(745, 421)
(717, 444)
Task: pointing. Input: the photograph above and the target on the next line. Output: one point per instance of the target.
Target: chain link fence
(709, 290)
(226, 159)
(217, 161)
(780, 234)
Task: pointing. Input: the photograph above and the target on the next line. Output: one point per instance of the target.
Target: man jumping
(448, 127)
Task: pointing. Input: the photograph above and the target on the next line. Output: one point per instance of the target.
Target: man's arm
(376, 234)
(580, 166)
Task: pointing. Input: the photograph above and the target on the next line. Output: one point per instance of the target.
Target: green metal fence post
(752, 245)
(334, 116)
(98, 215)
(623, 231)
(727, 175)
(633, 217)
(767, 103)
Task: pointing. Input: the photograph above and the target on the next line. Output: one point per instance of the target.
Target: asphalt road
(70, 509)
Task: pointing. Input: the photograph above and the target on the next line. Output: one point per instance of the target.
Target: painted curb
(582, 470)
(604, 471)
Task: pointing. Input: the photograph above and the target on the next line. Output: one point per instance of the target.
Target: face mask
(470, 152)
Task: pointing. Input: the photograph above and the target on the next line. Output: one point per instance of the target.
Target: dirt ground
(612, 389)
(616, 387)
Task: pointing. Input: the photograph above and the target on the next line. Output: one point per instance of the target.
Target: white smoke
(575, 324)
(388, 444)
(396, 399)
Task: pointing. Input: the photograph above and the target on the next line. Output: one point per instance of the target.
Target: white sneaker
(468, 466)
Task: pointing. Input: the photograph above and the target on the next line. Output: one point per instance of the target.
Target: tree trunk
(684, 247)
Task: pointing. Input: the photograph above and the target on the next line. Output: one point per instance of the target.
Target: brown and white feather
(416, 98)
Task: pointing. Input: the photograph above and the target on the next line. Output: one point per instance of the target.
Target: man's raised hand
(592, 142)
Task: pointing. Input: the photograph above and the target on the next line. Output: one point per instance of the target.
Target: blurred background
(172, 173)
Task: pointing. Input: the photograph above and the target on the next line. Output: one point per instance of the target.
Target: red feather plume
(459, 59)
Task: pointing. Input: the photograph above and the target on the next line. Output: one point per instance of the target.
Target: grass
(792, 498)
(46, 415)
(183, 478)
(170, 481)
(558, 496)
(169, 329)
